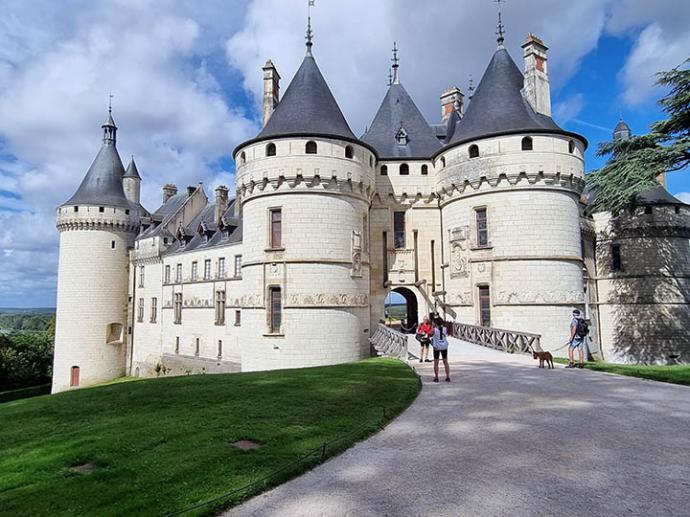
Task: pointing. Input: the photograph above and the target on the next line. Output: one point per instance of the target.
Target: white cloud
(568, 109)
(684, 197)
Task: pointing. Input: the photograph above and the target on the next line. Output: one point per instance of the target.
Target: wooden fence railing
(499, 339)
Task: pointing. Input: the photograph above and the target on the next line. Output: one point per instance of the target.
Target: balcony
(401, 266)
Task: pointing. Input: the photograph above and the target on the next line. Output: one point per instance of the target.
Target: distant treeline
(26, 352)
(18, 321)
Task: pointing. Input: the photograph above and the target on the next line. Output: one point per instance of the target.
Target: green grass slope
(158, 446)
(675, 374)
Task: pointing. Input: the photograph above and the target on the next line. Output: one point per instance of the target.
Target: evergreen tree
(635, 163)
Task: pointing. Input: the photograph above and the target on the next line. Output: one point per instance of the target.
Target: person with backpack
(578, 332)
(439, 343)
(425, 332)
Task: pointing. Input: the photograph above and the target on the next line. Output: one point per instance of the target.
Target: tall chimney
(271, 90)
(221, 201)
(169, 190)
(536, 88)
(451, 100)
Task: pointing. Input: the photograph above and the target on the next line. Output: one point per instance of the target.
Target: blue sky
(186, 77)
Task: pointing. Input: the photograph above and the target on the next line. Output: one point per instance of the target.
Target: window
(399, 230)
(220, 349)
(275, 310)
(101, 209)
(425, 170)
(114, 333)
(167, 275)
(371, 161)
(238, 266)
(127, 211)
(482, 227)
(178, 308)
(154, 309)
(349, 153)
(271, 149)
(220, 307)
(221, 267)
(527, 143)
(473, 151)
(178, 274)
(571, 146)
(112, 245)
(76, 209)
(384, 170)
(243, 158)
(177, 345)
(140, 313)
(141, 276)
(648, 210)
(207, 269)
(443, 162)
(238, 318)
(276, 221)
(484, 306)
(310, 147)
(196, 347)
(74, 376)
(616, 264)
(195, 270)
(404, 169)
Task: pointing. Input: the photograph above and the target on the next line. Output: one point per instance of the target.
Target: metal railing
(387, 341)
(508, 341)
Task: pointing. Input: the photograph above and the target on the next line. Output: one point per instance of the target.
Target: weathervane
(390, 77)
(110, 103)
(470, 88)
(501, 28)
(395, 61)
(310, 34)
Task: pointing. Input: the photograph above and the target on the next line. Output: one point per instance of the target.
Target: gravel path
(508, 439)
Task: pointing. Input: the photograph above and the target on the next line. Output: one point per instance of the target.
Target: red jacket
(426, 328)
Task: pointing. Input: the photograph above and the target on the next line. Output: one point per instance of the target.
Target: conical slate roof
(656, 196)
(307, 108)
(102, 184)
(132, 171)
(498, 106)
(397, 111)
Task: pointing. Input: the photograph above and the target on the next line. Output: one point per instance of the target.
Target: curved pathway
(508, 439)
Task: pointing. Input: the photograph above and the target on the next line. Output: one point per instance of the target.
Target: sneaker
(570, 365)
(436, 379)
(580, 365)
(428, 361)
(447, 379)
(421, 361)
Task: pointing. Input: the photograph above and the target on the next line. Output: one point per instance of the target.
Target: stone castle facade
(480, 217)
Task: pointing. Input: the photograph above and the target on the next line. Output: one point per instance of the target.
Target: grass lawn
(676, 374)
(158, 446)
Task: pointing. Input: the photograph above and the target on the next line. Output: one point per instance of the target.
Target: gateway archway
(401, 309)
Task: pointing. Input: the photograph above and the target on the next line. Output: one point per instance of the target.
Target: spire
(132, 170)
(501, 28)
(390, 77)
(310, 34)
(395, 60)
(109, 127)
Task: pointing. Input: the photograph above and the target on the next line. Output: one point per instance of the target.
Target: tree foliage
(635, 163)
(26, 359)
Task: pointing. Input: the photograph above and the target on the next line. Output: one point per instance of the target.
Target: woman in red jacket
(424, 333)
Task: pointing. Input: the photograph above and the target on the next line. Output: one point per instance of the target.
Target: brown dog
(543, 357)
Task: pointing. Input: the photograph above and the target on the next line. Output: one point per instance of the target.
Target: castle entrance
(401, 310)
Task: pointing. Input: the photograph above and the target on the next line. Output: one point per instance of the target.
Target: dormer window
(401, 136)
(527, 143)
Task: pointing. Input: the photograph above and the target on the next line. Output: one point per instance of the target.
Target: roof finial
(390, 77)
(501, 28)
(310, 34)
(470, 88)
(395, 61)
(110, 103)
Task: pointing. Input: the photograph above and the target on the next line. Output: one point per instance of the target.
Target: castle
(480, 217)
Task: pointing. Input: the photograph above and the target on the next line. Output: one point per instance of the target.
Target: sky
(186, 81)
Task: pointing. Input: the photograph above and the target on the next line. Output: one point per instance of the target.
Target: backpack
(582, 328)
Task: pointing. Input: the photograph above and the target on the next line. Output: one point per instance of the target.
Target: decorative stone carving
(539, 297)
(459, 260)
(328, 300)
(356, 270)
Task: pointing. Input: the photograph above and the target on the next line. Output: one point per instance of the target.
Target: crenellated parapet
(104, 218)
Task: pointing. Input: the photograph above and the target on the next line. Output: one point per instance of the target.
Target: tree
(635, 163)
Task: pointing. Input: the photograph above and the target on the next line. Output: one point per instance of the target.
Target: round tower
(304, 186)
(97, 228)
(509, 184)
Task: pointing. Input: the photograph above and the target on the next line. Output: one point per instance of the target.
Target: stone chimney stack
(536, 88)
(451, 100)
(271, 90)
(169, 190)
(221, 201)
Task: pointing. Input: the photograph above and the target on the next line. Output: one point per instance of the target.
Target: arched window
(310, 148)
(474, 151)
(527, 143)
(271, 149)
(243, 158)
(349, 153)
(384, 170)
(404, 169)
(571, 147)
(371, 161)
(443, 161)
(425, 170)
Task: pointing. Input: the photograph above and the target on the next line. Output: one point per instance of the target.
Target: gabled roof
(307, 108)
(102, 184)
(398, 111)
(498, 106)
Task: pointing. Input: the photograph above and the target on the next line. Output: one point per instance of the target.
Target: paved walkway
(508, 439)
